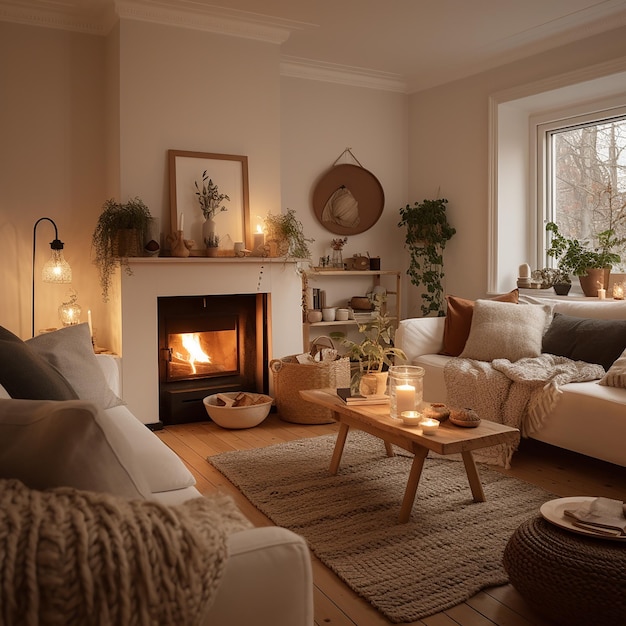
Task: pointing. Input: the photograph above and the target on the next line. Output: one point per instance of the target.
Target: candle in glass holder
(405, 398)
(618, 291)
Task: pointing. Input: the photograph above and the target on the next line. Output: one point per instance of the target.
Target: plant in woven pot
(119, 234)
(284, 236)
(374, 353)
(592, 264)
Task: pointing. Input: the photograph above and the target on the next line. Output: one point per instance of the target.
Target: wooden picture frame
(230, 173)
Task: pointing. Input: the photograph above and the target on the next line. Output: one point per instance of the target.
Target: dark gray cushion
(24, 374)
(585, 339)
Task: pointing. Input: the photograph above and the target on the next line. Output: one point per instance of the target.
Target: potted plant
(592, 265)
(375, 352)
(427, 233)
(284, 236)
(211, 202)
(556, 278)
(118, 235)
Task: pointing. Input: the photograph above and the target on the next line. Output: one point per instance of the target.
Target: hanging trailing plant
(427, 232)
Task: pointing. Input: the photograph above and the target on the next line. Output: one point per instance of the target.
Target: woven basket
(290, 377)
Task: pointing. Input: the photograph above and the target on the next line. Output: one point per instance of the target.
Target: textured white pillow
(70, 351)
(502, 330)
(616, 376)
(47, 443)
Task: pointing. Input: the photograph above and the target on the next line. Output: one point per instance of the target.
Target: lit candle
(618, 291)
(429, 426)
(405, 398)
(259, 239)
(601, 294)
(89, 322)
(181, 222)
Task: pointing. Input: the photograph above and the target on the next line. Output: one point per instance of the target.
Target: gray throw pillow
(586, 339)
(24, 374)
(70, 351)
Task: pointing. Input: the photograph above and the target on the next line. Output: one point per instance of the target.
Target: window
(585, 177)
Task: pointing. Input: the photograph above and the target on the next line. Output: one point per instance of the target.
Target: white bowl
(237, 416)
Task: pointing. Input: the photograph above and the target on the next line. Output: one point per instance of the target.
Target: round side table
(572, 579)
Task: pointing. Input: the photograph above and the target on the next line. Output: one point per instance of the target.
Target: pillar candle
(181, 222)
(405, 397)
(89, 322)
(259, 240)
(601, 294)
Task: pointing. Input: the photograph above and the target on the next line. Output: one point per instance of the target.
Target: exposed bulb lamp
(55, 270)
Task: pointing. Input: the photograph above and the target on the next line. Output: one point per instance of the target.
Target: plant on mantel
(427, 233)
(284, 236)
(119, 234)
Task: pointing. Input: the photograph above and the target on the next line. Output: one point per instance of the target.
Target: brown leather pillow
(459, 321)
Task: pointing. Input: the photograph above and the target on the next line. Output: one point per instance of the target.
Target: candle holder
(406, 389)
(618, 291)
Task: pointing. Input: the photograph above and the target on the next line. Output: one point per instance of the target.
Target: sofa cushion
(70, 351)
(459, 321)
(67, 444)
(616, 376)
(585, 339)
(24, 374)
(162, 468)
(503, 330)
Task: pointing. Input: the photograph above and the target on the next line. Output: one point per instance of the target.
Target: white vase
(208, 229)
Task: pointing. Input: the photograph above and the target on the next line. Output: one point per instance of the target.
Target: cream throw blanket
(520, 394)
(72, 557)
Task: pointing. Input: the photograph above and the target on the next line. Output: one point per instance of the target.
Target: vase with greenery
(211, 202)
(284, 236)
(119, 234)
(592, 264)
(427, 233)
(375, 351)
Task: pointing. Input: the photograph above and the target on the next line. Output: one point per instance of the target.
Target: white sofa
(589, 418)
(267, 580)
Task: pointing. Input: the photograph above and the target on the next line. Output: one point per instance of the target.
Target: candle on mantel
(429, 426)
(89, 322)
(181, 222)
(259, 239)
(405, 398)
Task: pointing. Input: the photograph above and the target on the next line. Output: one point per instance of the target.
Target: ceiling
(412, 44)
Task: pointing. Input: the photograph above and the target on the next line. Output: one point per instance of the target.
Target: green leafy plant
(375, 351)
(576, 257)
(427, 233)
(118, 234)
(288, 233)
(209, 197)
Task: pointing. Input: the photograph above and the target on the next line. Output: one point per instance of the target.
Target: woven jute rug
(451, 548)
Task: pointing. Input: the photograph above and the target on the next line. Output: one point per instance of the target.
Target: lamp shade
(56, 269)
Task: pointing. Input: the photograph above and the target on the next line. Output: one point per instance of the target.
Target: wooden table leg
(339, 444)
(389, 449)
(411, 485)
(473, 477)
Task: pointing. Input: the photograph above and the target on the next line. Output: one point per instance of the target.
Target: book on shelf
(355, 399)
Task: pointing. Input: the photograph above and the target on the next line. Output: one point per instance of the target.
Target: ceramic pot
(592, 281)
(561, 289)
(373, 384)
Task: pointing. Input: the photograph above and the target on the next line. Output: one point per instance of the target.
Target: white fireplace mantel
(152, 278)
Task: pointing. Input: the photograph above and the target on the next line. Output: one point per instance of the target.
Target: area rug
(450, 549)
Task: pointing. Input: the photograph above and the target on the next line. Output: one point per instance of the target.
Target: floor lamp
(55, 270)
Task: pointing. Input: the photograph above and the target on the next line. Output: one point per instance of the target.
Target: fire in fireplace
(209, 344)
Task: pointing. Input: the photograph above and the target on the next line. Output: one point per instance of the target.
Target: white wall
(318, 122)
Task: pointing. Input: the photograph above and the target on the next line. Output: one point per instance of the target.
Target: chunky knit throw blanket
(520, 394)
(72, 557)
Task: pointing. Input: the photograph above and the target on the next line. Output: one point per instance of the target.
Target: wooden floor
(561, 472)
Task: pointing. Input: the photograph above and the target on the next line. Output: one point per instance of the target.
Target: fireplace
(209, 344)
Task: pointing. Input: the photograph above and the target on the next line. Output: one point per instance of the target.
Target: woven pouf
(572, 579)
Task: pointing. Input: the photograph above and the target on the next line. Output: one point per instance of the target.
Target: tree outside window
(588, 180)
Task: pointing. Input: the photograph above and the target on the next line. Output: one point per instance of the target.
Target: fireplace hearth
(209, 344)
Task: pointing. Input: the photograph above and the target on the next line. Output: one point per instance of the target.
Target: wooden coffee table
(449, 439)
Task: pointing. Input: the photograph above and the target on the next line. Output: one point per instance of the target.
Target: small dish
(411, 418)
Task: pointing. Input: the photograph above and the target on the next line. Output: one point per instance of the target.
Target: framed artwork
(230, 173)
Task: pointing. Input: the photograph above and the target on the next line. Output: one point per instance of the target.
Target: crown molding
(101, 16)
(295, 67)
